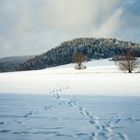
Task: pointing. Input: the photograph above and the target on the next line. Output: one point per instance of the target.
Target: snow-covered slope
(64, 115)
(101, 77)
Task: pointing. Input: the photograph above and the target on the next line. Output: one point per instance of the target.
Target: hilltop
(93, 48)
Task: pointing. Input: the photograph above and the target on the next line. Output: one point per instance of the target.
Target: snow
(59, 117)
(60, 103)
(101, 77)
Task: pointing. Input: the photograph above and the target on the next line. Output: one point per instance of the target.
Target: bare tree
(127, 62)
(79, 58)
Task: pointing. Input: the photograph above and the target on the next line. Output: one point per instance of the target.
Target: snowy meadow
(98, 103)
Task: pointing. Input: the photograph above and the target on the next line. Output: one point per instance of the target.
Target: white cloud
(34, 26)
(24, 20)
(5, 46)
(75, 15)
(112, 25)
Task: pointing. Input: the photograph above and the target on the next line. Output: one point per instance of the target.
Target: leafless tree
(79, 58)
(127, 62)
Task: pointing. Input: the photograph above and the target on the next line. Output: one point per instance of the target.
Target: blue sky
(34, 26)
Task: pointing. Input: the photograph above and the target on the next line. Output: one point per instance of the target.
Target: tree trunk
(129, 71)
(79, 66)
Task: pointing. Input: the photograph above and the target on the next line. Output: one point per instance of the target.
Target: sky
(30, 27)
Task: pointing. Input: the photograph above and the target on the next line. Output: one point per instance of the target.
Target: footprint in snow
(122, 136)
(46, 108)
(2, 123)
(30, 113)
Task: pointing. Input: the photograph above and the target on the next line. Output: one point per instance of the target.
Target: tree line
(92, 48)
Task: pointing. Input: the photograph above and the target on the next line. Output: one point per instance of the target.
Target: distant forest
(93, 48)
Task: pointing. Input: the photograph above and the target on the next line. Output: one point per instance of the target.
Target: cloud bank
(33, 27)
(76, 15)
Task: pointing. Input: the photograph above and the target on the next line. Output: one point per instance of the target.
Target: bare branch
(79, 58)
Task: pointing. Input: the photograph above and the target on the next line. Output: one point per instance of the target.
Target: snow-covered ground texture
(60, 103)
(59, 117)
(101, 77)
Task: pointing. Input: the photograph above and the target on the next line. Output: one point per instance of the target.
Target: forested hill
(8, 64)
(93, 48)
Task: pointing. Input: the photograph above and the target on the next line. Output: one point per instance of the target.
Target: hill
(9, 63)
(93, 48)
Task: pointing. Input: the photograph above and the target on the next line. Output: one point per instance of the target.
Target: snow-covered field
(101, 77)
(60, 103)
